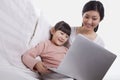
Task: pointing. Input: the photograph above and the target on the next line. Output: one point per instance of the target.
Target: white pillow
(17, 23)
(42, 31)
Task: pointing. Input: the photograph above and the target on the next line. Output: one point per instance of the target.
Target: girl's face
(91, 19)
(59, 37)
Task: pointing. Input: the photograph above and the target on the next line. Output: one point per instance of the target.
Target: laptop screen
(86, 60)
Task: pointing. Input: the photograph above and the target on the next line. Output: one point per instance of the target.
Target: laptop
(86, 60)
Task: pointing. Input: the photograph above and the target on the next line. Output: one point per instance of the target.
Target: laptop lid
(86, 60)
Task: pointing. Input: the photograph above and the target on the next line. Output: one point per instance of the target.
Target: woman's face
(91, 19)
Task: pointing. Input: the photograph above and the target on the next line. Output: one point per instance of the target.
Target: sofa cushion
(17, 23)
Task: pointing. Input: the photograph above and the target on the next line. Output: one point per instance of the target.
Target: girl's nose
(63, 37)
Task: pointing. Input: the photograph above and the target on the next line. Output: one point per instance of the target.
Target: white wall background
(70, 11)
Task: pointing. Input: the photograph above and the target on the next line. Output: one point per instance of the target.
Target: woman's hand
(41, 68)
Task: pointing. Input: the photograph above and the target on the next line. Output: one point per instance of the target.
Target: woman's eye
(94, 18)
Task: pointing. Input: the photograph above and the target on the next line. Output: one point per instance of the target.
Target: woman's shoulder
(74, 28)
(99, 40)
(73, 33)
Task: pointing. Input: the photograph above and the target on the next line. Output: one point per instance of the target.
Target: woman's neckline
(92, 35)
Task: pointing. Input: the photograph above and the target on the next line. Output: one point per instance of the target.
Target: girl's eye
(67, 36)
(62, 33)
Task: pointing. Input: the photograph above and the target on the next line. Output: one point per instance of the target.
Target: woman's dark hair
(95, 6)
(63, 26)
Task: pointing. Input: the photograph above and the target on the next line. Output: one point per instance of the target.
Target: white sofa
(18, 22)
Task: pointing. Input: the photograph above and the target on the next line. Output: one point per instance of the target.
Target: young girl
(50, 51)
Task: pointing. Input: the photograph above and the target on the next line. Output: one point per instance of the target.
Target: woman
(93, 14)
